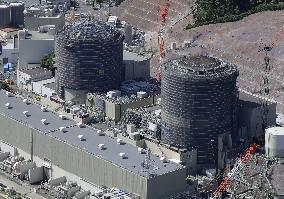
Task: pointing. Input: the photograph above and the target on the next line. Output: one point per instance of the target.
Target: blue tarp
(7, 67)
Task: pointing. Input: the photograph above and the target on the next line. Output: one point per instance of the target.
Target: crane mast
(163, 14)
(234, 172)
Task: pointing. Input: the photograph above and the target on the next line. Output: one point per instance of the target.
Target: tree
(220, 11)
(211, 10)
(4, 86)
(47, 62)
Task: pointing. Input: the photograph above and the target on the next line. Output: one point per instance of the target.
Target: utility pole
(31, 144)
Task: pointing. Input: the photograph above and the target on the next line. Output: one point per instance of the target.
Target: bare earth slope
(235, 42)
(238, 43)
(143, 14)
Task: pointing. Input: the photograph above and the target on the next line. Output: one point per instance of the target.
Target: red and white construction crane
(234, 172)
(163, 10)
(277, 38)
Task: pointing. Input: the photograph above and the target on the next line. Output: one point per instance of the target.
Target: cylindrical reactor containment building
(88, 57)
(4, 16)
(17, 14)
(199, 97)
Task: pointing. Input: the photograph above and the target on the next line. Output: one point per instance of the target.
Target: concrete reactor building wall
(89, 57)
(198, 103)
(17, 14)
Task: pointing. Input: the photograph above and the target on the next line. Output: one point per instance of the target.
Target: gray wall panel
(166, 185)
(15, 133)
(87, 166)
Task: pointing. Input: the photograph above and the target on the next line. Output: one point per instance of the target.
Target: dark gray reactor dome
(88, 56)
(4, 16)
(17, 14)
(199, 97)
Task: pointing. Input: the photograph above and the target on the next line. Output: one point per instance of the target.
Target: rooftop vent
(9, 94)
(26, 113)
(26, 101)
(163, 159)
(141, 150)
(142, 94)
(62, 129)
(113, 94)
(8, 105)
(122, 155)
(44, 121)
(135, 136)
(119, 141)
(101, 146)
(63, 117)
(80, 124)
(81, 137)
(100, 133)
(43, 108)
(118, 130)
(159, 100)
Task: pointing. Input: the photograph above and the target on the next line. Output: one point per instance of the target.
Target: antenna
(146, 164)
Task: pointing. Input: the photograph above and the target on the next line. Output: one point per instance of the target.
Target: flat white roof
(93, 139)
(46, 81)
(275, 130)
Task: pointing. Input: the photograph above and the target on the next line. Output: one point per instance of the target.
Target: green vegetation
(118, 2)
(220, 11)
(47, 62)
(4, 86)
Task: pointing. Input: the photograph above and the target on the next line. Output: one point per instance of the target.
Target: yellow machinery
(38, 98)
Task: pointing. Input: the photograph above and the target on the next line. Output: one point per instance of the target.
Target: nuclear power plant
(103, 100)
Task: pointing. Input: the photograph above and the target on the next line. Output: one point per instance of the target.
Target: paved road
(25, 189)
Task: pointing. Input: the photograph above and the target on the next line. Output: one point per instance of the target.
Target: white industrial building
(274, 141)
(63, 148)
(26, 77)
(33, 46)
(45, 88)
